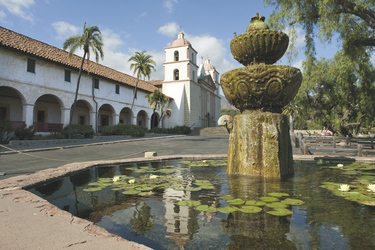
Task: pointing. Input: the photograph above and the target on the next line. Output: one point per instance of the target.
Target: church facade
(38, 82)
(194, 89)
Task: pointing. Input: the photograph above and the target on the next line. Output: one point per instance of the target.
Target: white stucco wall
(177, 92)
(48, 79)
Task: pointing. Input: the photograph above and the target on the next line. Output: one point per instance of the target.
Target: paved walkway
(38, 157)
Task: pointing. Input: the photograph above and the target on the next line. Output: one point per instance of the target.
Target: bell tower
(180, 61)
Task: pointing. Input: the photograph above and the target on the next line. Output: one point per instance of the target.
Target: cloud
(65, 30)
(140, 16)
(2, 16)
(170, 29)
(169, 4)
(298, 65)
(18, 7)
(212, 48)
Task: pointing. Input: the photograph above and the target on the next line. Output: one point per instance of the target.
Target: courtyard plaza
(30, 222)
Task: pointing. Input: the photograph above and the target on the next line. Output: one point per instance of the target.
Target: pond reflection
(149, 211)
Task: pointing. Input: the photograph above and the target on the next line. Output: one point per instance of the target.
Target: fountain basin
(259, 46)
(266, 87)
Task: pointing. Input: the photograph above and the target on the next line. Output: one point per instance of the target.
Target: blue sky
(151, 25)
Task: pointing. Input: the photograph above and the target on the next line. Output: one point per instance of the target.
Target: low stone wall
(214, 131)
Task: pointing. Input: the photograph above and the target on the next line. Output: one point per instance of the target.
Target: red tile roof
(27, 45)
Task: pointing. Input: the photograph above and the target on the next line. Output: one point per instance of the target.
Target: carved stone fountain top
(260, 85)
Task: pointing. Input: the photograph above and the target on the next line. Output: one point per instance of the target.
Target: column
(134, 120)
(148, 123)
(65, 116)
(93, 121)
(115, 119)
(28, 114)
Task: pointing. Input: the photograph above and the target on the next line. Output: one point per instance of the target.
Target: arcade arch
(47, 114)
(11, 109)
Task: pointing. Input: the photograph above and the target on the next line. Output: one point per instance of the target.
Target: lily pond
(196, 205)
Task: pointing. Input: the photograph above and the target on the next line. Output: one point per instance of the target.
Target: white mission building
(38, 82)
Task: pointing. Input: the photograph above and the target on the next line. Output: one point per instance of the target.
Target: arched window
(176, 74)
(176, 56)
(192, 57)
(193, 78)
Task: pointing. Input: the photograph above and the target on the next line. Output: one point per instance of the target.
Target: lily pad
(255, 203)
(131, 192)
(207, 187)
(93, 189)
(236, 202)
(206, 208)
(293, 202)
(145, 188)
(281, 212)
(351, 172)
(226, 197)
(166, 170)
(250, 209)
(193, 189)
(278, 194)
(277, 205)
(189, 203)
(269, 199)
(227, 209)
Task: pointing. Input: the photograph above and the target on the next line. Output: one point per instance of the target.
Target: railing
(360, 146)
(47, 127)
(18, 124)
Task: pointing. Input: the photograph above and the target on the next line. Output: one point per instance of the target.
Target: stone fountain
(259, 142)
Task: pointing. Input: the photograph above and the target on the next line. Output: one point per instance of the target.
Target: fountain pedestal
(259, 144)
(259, 141)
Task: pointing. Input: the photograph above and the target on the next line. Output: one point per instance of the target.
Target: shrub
(78, 131)
(231, 112)
(25, 133)
(178, 130)
(6, 129)
(122, 129)
(372, 130)
(181, 130)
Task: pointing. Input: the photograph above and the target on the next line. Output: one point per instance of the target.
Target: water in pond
(173, 205)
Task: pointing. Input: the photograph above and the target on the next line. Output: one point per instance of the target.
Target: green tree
(91, 38)
(142, 66)
(338, 93)
(352, 20)
(158, 100)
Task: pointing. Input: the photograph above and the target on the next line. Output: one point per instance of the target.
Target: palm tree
(158, 100)
(91, 38)
(143, 64)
